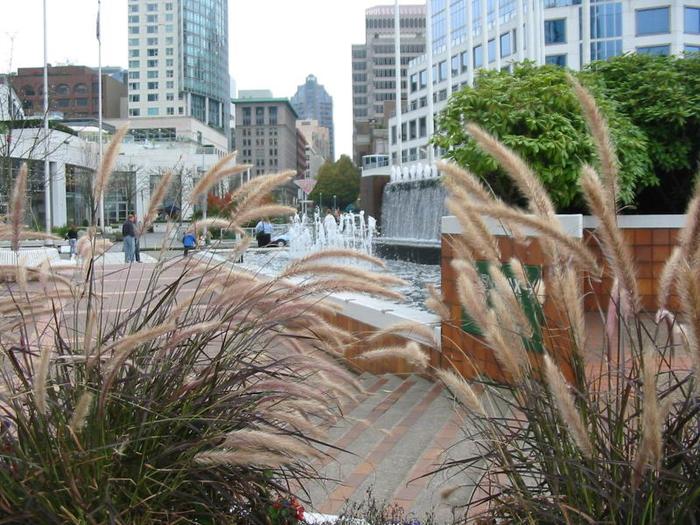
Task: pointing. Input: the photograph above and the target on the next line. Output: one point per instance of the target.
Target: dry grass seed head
(462, 391)
(258, 440)
(342, 254)
(567, 407)
(157, 197)
(475, 234)
(518, 170)
(41, 378)
(457, 177)
(598, 127)
(613, 245)
(218, 458)
(436, 303)
(405, 329)
(668, 277)
(104, 171)
(82, 409)
(19, 194)
(689, 238)
(270, 210)
(347, 271)
(411, 353)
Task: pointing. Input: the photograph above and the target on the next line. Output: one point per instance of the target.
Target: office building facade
(568, 33)
(312, 102)
(178, 60)
(374, 73)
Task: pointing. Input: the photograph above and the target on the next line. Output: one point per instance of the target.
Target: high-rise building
(374, 75)
(312, 102)
(568, 33)
(178, 60)
(317, 144)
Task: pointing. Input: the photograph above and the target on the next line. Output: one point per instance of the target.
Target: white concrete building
(569, 33)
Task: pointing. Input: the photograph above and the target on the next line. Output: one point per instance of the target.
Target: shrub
(577, 434)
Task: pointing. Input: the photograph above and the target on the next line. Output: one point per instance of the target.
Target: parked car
(280, 240)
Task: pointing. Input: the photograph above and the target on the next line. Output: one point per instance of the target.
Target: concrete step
(370, 427)
(355, 469)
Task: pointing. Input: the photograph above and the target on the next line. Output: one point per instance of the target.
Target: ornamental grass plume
(579, 428)
(134, 406)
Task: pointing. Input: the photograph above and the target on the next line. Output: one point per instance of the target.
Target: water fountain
(351, 231)
(412, 208)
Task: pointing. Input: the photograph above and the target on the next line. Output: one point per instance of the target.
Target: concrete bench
(32, 257)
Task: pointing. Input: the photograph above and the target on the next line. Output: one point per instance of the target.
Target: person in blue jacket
(189, 242)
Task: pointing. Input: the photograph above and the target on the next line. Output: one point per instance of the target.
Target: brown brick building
(72, 91)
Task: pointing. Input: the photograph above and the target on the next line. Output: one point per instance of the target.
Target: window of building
(260, 116)
(133, 30)
(653, 21)
(180, 110)
(492, 50)
(151, 19)
(169, 28)
(655, 50)
(152, 63)
(133, 8)
(555, 31)
(80, 89)
(153, 97)
(557, 60)
(692, 20)
(423, 77)
(169, 73)
(691, 49)
(168, 6)
(134, 64)
(464, 60)
(134, 75)
(169, 40)
(152, 74)
(170, 96)
(422, 127)
(152, 41)
(81, 102)
(134, 98)
(152, 85)
(134, 112)
(478, 57)
(133, 41)
(606, 20)
(170, 111)
(169, 51)
(414, 82)
(134, 86)
(133, 53)
(170, 84)
(133, 19)
(63, 102)
(606, 49)
(412, 130)
(506, 48)
(454, 64)
(442, 70)
(152, 52)
(169, 17)
(151, 7)
(272, 116)
(151, 29)
(152, 112)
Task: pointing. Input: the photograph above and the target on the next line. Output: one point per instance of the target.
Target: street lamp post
(320, 202)
(335, 207)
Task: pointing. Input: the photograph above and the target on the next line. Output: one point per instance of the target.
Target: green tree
(534, 111)
(661, 95)
(340, 178)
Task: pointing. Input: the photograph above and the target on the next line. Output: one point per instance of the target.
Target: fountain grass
(578, 434)
(203, 399)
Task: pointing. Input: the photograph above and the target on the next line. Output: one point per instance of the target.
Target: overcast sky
(275, 44)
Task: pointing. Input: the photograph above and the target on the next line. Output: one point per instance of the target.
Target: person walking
(137, 238)
(263, 232)
(129, 234)
(189, 242)
(72, 236)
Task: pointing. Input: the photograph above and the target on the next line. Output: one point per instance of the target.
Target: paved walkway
(400, 430)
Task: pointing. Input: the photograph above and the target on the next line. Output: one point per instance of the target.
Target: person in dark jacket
(129, 234)
(72, 236)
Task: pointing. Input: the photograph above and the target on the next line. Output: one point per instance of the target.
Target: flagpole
(47, 167)
(99, 108)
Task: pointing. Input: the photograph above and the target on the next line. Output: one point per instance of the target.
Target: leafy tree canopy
(535, 112)
(340, 178)
(661, 95)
